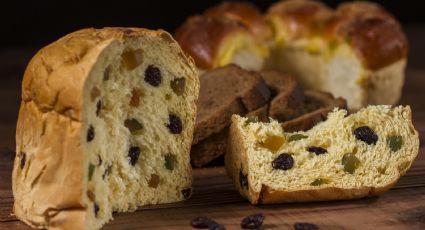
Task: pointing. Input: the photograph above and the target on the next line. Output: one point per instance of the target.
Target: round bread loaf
(357, 51)
(105, 124)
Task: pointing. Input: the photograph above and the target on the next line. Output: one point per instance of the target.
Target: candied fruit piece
(178, 86)
(170, 161)
(154, 181)
(133, 125)
(136, 94)
(132, 58)
(107, 73)
(95, 92)
(251, 119)
(108, 171)
(317, 150)
(395, 142)
(284, 162)
(366, 134)
(133, 154)
(273, 142)
(90, 133)
(253, 221)
(175, 124)
(91, 195)
(91, 170)
(296, 137)
(350, 162)
(319, 181)
(153, 75)
(186, 192)
(305, 226)
(23, 157)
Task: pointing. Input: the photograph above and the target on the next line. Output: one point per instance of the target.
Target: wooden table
(403, 207)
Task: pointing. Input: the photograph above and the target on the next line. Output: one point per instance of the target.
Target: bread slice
(105, 124)
(225, 91)
(344, 157)
(288, 104)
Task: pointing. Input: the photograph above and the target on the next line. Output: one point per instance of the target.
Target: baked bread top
(371, 31)
(245, 13)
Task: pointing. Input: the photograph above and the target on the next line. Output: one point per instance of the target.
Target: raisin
(187, 192)
(154, 181)
(91, 171)
(243, 180)
(206, 222)
(350, 162)
(133, 125)
(273, 142)
(96, 209)
(135, 97)
(253, 221)
(23, 159)
(170, 161)
(98, 107)
(153, 75)
(395, 142)
(175, 124)
(133, 155)
(296, 137)
(90, 133)
(202, 222)
(305, 226)
(319, 181)
(132, 58)
(317, 150)
(366, 134)
(177, 85)
(108, 171)
(284, 162)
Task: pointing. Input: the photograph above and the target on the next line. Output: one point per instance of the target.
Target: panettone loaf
(105, 124)
(344, 157)
(357, 51)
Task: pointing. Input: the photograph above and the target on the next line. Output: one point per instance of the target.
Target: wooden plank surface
(403, 207)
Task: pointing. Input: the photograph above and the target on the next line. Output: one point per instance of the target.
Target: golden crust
(299, 18)
(201, 37)
(49, 194)
(244, 12)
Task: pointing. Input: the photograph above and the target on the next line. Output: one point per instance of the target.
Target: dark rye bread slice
(297, 110)
(225, 91)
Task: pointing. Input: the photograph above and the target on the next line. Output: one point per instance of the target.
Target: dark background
(37, 23)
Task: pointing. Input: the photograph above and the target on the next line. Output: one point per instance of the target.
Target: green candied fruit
(91, 170)
(296, 137)
(350, 162)
(395, 142)
(170, 161)
(133, 125)
(319, 181)
(251, 119)
(178, 86)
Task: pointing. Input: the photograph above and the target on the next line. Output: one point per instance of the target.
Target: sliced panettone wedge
(344, 157)
(357, 51)
(105, 124)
